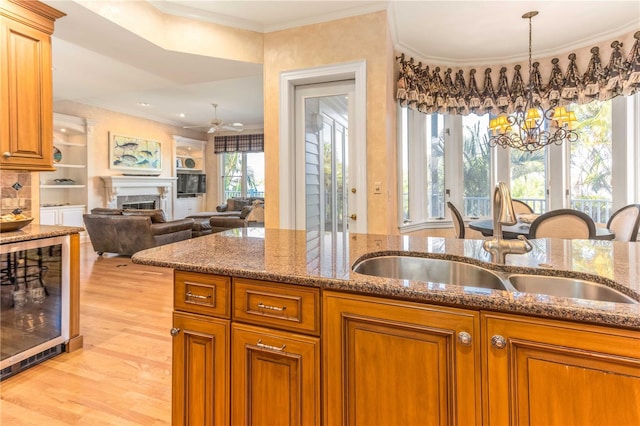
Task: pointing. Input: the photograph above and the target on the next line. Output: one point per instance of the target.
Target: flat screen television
(192, 183)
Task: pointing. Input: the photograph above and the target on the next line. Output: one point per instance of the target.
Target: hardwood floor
(122, 375)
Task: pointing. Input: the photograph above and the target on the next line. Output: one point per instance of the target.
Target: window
(242, 174)
(422, 173)
(529, 178)
(590, 161)
(578, 175)
(476, 162)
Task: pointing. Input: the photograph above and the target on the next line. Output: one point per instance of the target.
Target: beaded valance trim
(432, 92)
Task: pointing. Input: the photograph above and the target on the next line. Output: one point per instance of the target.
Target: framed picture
(134, 155)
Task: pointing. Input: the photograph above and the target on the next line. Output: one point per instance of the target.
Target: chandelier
(532, 127)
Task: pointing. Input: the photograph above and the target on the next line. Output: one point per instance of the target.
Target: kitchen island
(269, 312)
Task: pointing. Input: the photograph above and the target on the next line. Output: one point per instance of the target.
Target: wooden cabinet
(201, 348)
(275, 376)
(275, 368)
(559, 373)
(26, 100)
(393, 362)
(200, 374)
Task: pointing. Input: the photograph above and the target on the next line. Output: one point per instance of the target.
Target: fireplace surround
(137, 189)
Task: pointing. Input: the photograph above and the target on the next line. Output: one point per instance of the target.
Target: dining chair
(563, 223)
(521, 207)
(624, 223)
(458, 223)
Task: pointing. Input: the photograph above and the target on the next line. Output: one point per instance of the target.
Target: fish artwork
(126, 158)
(127, 145)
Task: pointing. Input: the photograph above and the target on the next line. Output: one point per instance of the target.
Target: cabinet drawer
(279, 305)
(202, 294)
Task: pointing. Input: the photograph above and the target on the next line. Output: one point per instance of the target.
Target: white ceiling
(99, 63)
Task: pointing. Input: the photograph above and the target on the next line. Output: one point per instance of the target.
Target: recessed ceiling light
(181, 115)
(237, 124)
(144, 104)
(63, 130)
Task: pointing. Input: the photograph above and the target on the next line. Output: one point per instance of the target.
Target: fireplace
(139, 192)
(139, 205)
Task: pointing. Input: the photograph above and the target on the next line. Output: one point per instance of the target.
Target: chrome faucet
(504, 214)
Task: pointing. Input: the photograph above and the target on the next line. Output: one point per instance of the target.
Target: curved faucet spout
(503, 214)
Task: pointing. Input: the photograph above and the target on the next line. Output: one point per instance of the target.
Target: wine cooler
(34, 302)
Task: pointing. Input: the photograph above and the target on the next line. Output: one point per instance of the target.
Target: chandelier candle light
(532, 127)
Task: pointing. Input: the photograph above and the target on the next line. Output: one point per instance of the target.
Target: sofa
(127, 231)
(235, 213)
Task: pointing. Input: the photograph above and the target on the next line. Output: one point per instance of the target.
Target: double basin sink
(465, 274)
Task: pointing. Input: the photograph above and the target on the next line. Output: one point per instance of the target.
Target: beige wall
(364, 37)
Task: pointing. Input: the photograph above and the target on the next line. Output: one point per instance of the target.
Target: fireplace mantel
(138, 185)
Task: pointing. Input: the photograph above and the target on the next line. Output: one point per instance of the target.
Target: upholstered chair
(563, 223)
(624, 223)
(520, 207)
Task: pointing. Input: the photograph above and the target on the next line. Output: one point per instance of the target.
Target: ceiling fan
(217, 124)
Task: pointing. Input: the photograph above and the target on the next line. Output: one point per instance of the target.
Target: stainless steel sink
(430, 270)
(567, 287)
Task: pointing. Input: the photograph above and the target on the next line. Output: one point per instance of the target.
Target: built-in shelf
(188, 149)
(78, 166)
(63, 186)
(64, 143)
(72, 137)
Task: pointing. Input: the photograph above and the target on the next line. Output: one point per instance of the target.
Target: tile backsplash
(13, 198)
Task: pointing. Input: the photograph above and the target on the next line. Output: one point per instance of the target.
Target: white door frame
(288, 81)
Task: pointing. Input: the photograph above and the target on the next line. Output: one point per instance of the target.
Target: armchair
(129, 231)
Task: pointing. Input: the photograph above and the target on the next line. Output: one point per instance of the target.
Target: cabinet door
(201, 385)
(543, 372)
(71, 216)
(399, 363)
(276, 377)
(26, 116)
(48, 216)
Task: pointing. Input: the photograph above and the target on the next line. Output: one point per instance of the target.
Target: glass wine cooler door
(33, 302)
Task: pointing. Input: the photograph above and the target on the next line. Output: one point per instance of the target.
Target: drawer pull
(269, 347)
(198, 296)
(271, 308)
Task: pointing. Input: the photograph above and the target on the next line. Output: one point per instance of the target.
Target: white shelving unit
(189, 158)
(63, 192)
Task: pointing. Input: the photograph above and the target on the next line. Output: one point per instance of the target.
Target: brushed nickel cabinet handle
(269, 347)
(198, 296)
(174, 331)
(271, 308)
(498, 342)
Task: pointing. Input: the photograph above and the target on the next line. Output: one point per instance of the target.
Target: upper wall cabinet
(26, 101)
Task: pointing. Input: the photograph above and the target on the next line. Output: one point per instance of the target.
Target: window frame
(626, 156)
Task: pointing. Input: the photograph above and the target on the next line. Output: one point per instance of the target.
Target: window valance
(431, 91)
(238, 143)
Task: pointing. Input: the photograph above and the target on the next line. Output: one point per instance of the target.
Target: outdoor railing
(598, 209)
(237, 194)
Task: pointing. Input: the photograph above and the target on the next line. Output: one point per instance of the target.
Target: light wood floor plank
(122, 375)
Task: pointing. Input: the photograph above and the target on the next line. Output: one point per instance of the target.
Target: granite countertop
(36, 232)
(284, 256)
